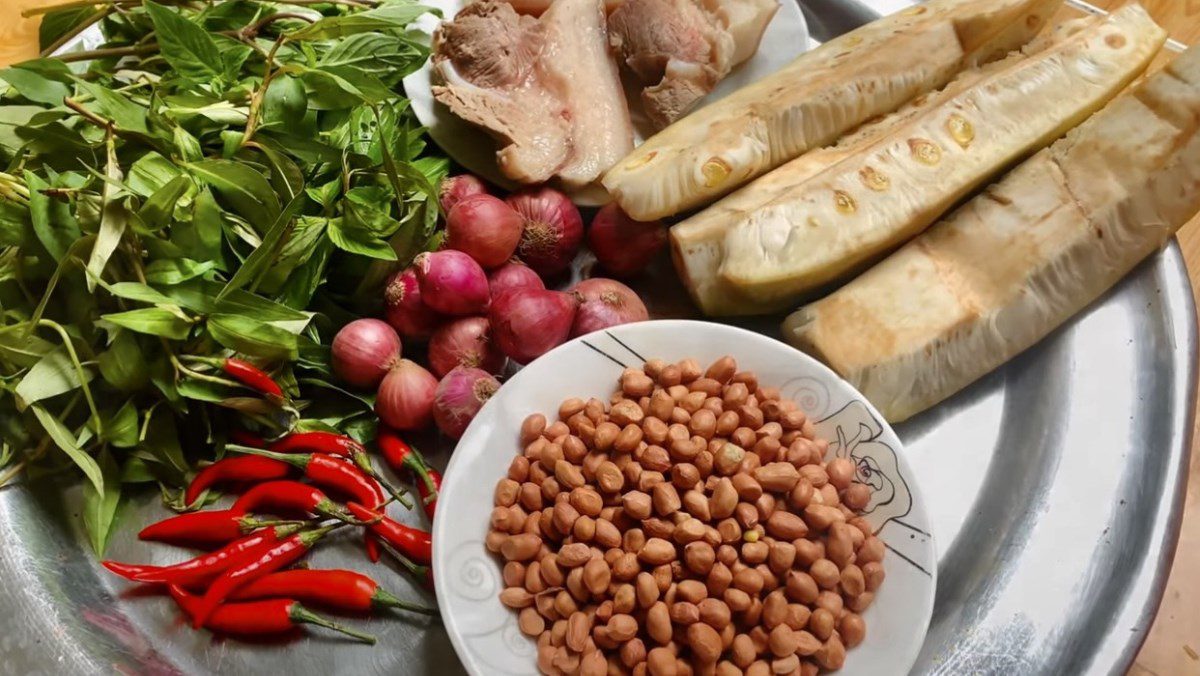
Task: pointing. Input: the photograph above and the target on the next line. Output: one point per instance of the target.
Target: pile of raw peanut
(690, 526)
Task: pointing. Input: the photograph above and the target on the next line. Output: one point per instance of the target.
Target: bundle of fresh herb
(216, 179)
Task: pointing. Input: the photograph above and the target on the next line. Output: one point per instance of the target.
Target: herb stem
(12, 472)
(260, 94)
(87, 114)
(75, 31)
(70, 347)
(107, 52)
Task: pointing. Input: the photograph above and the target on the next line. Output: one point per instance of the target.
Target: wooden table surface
(1173, 646)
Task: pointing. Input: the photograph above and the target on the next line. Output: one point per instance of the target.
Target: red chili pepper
(204, 529)
(251, 376)
(259, 618)
(244, 438)
(202, 569)
(422, 573)
(329, 472)
(344, 590)
(246, 468)
(317, 442)
(268, 561)
(288, 497)
(414, 543)
(405, 459)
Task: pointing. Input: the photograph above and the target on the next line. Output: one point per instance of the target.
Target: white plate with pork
(537, 116)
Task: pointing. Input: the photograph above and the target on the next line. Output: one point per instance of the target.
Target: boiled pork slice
(576, 57)
(546, 88)
(679, 50)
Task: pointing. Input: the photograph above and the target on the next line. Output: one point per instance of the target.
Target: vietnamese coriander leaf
(100, 503)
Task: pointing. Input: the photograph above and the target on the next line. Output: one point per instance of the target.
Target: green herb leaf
(253, 337)
(150, 173)
(153, 321)
(35, 86)
(245, 190)
(114, 106)
(392, 16)
(262, 257)
(52, 222)
(285, 103)
(184, 44)
(200, 238)
(114, 217)
(123, 364)
(170, 271)
(137, 291)
(100, 504)
(200, 296)
(157, 211)
(51, 376)
(56, 24)
(357, 240)
(63, 438)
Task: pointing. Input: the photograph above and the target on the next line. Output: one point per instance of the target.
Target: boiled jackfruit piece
(835, 223)
(1021, 258)
(817, 98)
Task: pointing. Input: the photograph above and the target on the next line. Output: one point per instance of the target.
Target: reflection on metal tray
(1055, 486)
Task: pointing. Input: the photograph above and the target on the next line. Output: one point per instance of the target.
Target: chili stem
(299, 613)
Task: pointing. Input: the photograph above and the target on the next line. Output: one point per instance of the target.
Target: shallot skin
(460, 395)
(513, 275)
(405, 397)
(604, 303)
(455, 189)
(485, 228)
(452, 282)
(553, 230)
(624, 247)
(527, 323)
(363, 351)
(465, 342)
(404, 309)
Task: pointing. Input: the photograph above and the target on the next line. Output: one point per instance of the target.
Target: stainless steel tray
(1056, 487)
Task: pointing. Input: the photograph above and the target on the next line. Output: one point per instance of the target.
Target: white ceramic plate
(468, 579)
(785, 39)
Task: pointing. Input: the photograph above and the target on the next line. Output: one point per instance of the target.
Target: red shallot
(485, 228)
(553, 230)
(622, 245)
(457, 188)
(604, 303)
(403, 308)
(452, 282)
(465, 342)
(363, 352)
(527, 323)
(460, 395)
(405, 399)
(513, 275)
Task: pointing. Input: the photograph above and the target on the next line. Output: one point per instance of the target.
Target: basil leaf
(245, 190)
(123, 364)
(253, 337)
(285, 102)
(53, 375)
(358, 241)
(100, 503)
(63, 438)
(157, 211)
(392, 56)
(391, 16)
(304, 280)
(184, 44)
(176, 270)
(153, 321)
(34, 86)
(286, 177)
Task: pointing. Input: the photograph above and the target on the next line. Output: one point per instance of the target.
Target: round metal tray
(1055, 486)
